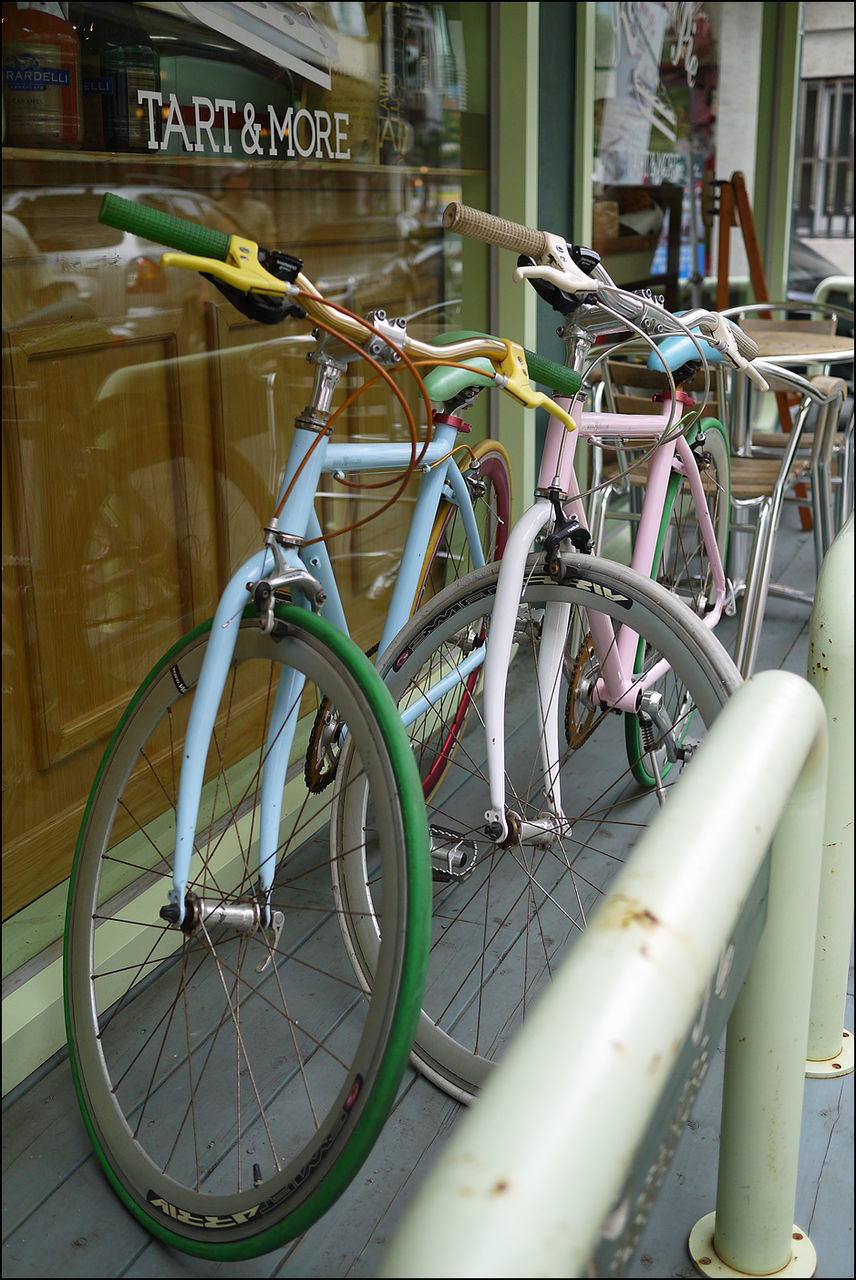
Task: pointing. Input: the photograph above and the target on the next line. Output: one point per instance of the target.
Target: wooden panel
(108, 494)
(367, 557)
(259, 381)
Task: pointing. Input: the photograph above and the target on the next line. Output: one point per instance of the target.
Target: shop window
(144, 418)
(655, 113)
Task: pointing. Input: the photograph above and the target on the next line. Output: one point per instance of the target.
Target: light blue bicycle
(231, 1071)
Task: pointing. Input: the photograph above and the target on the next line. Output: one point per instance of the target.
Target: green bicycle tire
(245, 1222)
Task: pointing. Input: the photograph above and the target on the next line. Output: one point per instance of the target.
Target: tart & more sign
(217, 126)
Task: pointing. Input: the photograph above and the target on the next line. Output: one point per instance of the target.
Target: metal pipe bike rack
(710, 922)
(830, 670)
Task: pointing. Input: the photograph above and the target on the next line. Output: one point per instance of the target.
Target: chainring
(581, 716)
(322, 754)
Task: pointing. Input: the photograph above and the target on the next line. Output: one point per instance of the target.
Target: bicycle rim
(230, 1107)
(503, 924)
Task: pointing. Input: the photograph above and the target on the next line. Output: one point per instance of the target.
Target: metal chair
(761, 485)
(814, 337)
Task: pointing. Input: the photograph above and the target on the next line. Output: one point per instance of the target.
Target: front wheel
(232, 1074)
(504, 915)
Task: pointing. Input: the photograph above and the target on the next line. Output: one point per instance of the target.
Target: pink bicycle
(597, 680)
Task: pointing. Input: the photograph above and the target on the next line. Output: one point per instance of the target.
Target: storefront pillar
(515, 165)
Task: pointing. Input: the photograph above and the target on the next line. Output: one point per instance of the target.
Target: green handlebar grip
(561, 379)
(164, 228)
(558, 377)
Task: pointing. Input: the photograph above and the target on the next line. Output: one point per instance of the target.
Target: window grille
(823, 189)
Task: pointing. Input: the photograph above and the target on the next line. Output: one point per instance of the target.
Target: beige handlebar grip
(499, 231)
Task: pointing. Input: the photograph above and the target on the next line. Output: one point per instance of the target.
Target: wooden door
(107, 497)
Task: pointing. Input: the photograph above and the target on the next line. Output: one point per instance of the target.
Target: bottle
(41, 77)
(129, 62)
(94, 86)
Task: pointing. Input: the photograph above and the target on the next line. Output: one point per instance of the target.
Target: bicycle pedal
(453, 856)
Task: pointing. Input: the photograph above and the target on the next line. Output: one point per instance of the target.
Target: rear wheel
(234, 1076)
(681, 564)
(448, 557)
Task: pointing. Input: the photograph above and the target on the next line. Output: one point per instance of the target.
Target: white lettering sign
(302, 133)
(683, 46)
(308, 133)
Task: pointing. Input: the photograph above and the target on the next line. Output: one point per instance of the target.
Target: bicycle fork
(502, 823)
(277, 565)
(219, 652)
(613, 689)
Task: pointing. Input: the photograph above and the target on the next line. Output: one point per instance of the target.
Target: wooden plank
(57, 1205)
(44, 1142)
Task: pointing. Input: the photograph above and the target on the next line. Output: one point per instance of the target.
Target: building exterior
(823, 180)
(137, 410)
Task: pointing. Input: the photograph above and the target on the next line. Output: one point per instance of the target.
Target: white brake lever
(569, 279)
(719, 334)
(753, 374)
(721, 337)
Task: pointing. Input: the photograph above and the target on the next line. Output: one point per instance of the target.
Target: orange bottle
(41, 77)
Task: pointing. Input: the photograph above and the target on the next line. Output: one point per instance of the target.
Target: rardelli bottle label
(41, 98)
(24, 72)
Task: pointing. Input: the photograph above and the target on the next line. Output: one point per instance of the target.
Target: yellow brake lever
(241, 268)
(514, 368)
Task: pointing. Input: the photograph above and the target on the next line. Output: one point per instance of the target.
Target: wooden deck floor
(61, 1218)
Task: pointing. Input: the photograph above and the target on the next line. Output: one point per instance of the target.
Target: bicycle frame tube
(688, 467)
(661, 465)
(283, 723)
